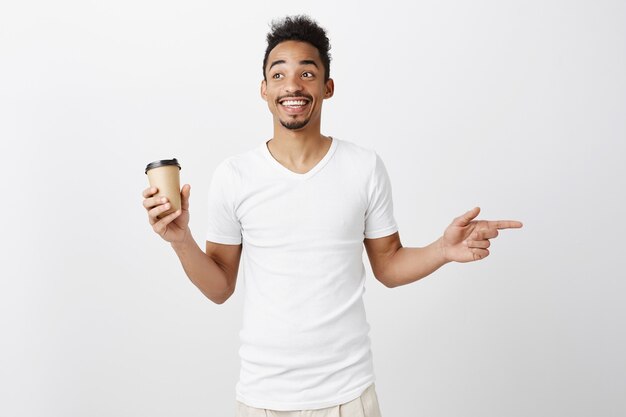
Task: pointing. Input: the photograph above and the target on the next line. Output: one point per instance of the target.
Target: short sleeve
(223, 225)
(379, 218)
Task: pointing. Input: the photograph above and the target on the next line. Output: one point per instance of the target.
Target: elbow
(386, 281)
(227, 289)
(219, 301)
(222, 299)
(390, 284)
(386, 276)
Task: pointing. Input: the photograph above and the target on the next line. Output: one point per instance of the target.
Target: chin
(296, 125)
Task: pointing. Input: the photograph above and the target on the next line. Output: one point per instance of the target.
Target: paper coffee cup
(165, 176)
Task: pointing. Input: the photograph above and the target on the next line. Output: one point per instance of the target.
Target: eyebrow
(303, 62)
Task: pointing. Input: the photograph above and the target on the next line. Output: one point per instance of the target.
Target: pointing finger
(485, 234)
(505, 224)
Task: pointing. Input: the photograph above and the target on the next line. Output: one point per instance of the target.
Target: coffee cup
(165, 176)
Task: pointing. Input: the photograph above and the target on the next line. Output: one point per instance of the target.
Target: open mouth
(294, 104)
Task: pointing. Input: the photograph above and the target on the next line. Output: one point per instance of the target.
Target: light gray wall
(517, 106)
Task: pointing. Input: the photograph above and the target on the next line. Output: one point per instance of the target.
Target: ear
(264, 90)
(330, 88)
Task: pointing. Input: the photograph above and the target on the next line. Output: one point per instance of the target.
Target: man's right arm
(213, 272)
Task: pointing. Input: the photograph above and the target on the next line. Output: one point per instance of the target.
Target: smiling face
(294, 87)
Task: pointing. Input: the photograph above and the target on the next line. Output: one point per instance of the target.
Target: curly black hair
(299, 28)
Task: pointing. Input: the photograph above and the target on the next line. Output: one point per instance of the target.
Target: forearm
(202, 270)
(408, 265)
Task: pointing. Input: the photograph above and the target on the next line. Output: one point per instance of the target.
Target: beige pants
(364, 406)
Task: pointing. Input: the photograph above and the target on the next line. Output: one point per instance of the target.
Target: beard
(295, 125)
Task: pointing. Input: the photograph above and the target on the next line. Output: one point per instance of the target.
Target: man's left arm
(465, 240)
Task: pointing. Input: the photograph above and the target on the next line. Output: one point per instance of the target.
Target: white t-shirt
(304, 340)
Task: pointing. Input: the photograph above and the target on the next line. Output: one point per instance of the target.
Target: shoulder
(360, 157)
(358, 153)
(354, 147)
(238, 164)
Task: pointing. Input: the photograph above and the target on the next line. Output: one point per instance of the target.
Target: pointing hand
(467, 240)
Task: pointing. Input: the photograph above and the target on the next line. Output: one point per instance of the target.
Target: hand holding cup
(166, 204)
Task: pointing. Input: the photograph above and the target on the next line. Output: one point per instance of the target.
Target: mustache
(308, 97)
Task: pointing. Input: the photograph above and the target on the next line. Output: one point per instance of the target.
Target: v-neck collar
(322, 162)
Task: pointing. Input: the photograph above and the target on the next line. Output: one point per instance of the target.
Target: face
(295, 87)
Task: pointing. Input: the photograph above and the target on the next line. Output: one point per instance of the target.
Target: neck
(298, 147)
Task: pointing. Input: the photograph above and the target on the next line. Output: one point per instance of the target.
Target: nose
(293, 85)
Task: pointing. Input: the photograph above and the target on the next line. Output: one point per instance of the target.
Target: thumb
(465, 219)
(185, 193)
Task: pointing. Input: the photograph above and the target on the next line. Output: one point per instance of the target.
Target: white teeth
(293, 103)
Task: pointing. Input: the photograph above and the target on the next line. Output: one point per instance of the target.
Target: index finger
(505, 224)
(149, 192)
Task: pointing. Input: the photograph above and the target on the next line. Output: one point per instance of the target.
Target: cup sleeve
(223, 225)
(379, 217)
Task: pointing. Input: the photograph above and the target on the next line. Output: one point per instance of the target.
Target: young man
(300, 207)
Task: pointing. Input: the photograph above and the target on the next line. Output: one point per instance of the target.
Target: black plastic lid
(162, 163)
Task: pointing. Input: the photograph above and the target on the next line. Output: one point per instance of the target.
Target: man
(303, 205)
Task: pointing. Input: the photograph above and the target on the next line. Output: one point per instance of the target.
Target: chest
(278, 210)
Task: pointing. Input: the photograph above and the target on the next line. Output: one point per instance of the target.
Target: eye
(277, 76)
(310, 74)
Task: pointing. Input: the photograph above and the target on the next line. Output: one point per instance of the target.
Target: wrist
(441, 249)
(186, 242)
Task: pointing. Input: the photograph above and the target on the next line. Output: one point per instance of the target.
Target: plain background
(516, 106)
